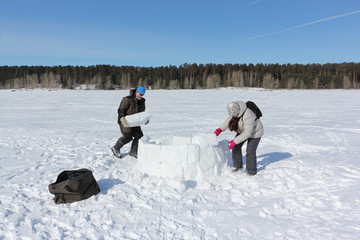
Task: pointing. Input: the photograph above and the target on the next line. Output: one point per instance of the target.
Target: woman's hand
(231, 144)
(218, 131)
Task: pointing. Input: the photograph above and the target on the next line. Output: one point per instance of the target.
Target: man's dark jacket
(130, 105)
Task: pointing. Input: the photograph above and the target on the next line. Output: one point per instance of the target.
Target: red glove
(231, 144)
(218, 131)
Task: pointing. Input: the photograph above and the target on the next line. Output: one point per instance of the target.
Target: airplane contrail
(254, 2)
(300, 26)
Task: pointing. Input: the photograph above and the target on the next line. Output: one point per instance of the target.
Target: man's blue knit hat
(141, 90)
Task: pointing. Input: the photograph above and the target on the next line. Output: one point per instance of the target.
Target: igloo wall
(196, 158)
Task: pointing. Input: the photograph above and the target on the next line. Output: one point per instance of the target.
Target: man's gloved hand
(124, 122)
(218, 131)
(231, 144)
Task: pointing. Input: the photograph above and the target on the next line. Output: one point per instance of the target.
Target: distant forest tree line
(185, 76)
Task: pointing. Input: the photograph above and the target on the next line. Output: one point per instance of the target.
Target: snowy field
(307, 186)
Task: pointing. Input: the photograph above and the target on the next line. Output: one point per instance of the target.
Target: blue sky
(169, 32)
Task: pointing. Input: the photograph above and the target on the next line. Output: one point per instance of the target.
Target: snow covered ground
(307, 186)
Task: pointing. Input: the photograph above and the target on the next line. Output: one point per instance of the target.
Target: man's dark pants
(128, 135)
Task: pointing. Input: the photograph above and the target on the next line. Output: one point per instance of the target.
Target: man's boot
(116, 149)
(134, 148)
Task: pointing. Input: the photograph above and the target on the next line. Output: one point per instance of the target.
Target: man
(134, 103)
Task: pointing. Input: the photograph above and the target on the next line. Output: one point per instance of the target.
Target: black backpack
(253, 107)
(74, 185)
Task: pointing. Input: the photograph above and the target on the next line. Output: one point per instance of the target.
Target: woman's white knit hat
(233, 109)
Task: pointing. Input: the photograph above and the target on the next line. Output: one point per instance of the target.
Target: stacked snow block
(196, 158)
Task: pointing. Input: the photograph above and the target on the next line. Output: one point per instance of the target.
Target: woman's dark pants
(251, 165)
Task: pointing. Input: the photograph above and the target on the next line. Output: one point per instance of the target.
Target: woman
(248, 128)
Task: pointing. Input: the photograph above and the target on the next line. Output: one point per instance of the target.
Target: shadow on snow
(106, 184)
(273, 157)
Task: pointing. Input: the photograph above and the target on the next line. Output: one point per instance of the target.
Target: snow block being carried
(137, 119)
(196, 158)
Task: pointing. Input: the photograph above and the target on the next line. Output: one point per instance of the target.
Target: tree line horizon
(185, 76)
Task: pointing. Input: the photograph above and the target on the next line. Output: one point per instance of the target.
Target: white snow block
(137, 119)
(197, 158)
